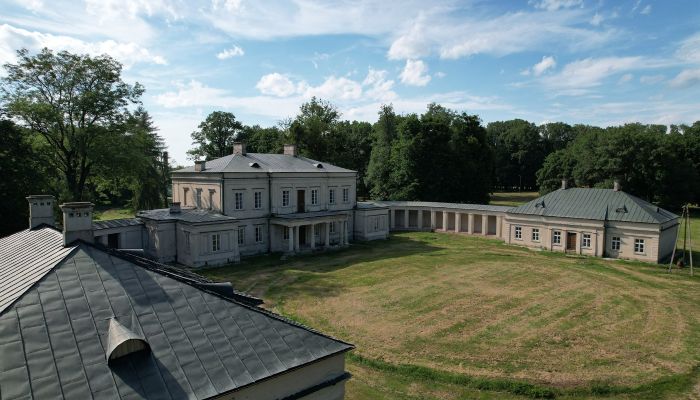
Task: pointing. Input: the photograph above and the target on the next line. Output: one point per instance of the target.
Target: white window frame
(346, 195)
(211, 198)
(314, 197)
(332, 227)
(331, 196)
(215, 242)
(556, 237)
(639, 246)
(241, 235)
(285, 198)
(285, 233)
(238, 200)
(259, 234)
(615, 243)
(257, 200)
(518, 234)
(586, 240)
(535, 234)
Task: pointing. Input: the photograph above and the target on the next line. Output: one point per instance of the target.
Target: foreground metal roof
(265, 163)
(451, 206)
(595, 204)
(115, 223)
(54, 339)
(186, 215)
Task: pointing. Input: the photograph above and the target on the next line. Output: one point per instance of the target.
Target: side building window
(331, 196)
(216, 242)
(518, 233)
(198, 197)
(241, 235)
(346, 195)
(285, 234)
(535, 234)
(586, 241)
(259, 233)
(285, 198)
(185, 192)
(639, 246)
(556, 237)
(314, 196)
(376, 224)
(187, 243)
(239, 201)
(258, 200)
(615, 243)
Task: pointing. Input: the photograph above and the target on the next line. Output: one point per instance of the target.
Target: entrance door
(302, 235)
(301, 201)
(113, 240)
(571, 241)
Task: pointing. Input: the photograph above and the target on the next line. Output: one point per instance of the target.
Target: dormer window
(622, 209)
(318, 165)
(539, 204)
(254, 165)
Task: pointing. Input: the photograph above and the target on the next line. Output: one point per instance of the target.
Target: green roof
(595, 204)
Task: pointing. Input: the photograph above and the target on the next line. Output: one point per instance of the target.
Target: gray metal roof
(452, 206)
(595, 204)
(313, 214)
(266, 163)
(54, 339)
(25, 257)
(115, 223)
(187, 215)
(369, 205)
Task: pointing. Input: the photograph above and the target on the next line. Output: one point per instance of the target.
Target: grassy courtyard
(449, 316)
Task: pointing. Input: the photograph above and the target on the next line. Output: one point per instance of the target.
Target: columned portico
(303, 228)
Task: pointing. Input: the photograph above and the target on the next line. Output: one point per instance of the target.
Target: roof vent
(622, 209)
(539, 204)
(254, 165)
(122, 341)
(318, 165)
(175, 207)
(564, 183)
(200, 166)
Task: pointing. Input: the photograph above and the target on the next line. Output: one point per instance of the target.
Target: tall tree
(72, 101)
(519, 153)
(384, 132)
(311, 128)
(215, 136)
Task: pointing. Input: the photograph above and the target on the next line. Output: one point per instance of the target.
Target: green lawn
(104, 214)
(512, 198)
(444, 316)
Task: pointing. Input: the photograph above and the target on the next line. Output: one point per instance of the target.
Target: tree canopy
(215, 136)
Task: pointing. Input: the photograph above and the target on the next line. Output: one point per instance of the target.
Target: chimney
(616, 185)
(175, 207)
(77, 222)
(239, 148)
(41, 210)
(564, 184)
(290, 150)
(200, 166)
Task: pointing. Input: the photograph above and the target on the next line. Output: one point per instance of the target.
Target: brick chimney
(175, 207)
(616, 185)
(564, 184)
(41, 210)
(77, 222)
(290, 150)
(200, 166)
(239, 148)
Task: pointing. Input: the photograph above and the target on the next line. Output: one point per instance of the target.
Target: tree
(384, 132)
(312, 127)
(262, 140)
(73, 102)
(519, 153)
(215, 136)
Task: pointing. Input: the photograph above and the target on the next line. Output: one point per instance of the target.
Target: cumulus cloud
(338, 88)
(596, 20)
(554, 5)
(234, 51)
(547, 62)
(415, 73)
(276, 84)
(689, 49)
(12, 38)
(686, 78)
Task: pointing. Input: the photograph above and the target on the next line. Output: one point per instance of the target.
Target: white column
(291, 238)
(405, 218)
(579, 237)
(470, 223)
(393, 219)
(458, 222)
(499, 221)
(432, 219)
(484, 224)
(444, 220)
(420, 220)
(328, 234)
(313, 236)
(564, 240)
(296, 238)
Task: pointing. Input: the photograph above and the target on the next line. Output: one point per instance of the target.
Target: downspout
(269, 214)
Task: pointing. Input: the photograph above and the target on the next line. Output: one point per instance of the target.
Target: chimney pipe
(239, 148)
(200, 166)
(175, 207)
(41, 210)
(616, 185)
(77, 222)
(290, 150)
(564, 184)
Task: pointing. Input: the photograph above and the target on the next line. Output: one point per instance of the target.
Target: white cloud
(686, 78)
(276, 84)
(689, 49)
(415, 73)
(596, 20)
(547, 62)
(377, 86)
(554, 5)
(12, 38)
(646, 10)
(234, 51)
(625, 78)
(334, 88)
(651, 79)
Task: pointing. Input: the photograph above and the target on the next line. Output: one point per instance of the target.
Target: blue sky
(598, 62)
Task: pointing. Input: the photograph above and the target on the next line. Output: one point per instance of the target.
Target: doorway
(571, 240)
(113, 240)
(301, 201)
(302, 234)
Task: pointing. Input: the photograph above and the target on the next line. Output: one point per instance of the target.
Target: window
(216, 242)
(258, 200)
(239, 201)
(535, 234)
(346, 195)
(185, 192)
(376, 224)
(518, 233)
(331, 196)
(639, 246)
(187, 243)
(198, 198)
(211, 198)
(314, 196)
(285, 235)
(332, 225)
(586, 240)
(556, 238)
(259, 234)
(285, 198)
(241, 235)
(615, 243)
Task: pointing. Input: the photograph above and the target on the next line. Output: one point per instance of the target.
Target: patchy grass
(694, 233)
(512, 198)
(449, 316)
(113, 213)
